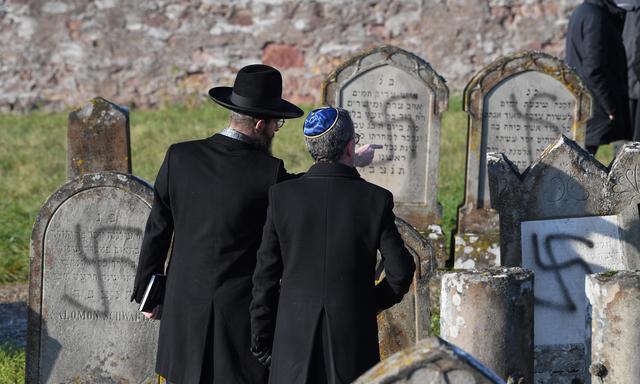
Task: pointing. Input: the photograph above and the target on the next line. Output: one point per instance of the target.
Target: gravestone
(82, 327)
(405, 323)
(432, 361)
(396, 100)
(517, 105)
(565, 217)
(84, 249)
(98, 139)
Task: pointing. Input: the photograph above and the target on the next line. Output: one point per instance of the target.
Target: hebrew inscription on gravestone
(517, 105)
(84, 250)
(396, 100)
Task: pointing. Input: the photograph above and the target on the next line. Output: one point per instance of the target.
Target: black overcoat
(594, 48)
(212, 194)
(321, 238)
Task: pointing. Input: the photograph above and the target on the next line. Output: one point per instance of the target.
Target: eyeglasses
(280, 123)
(356, 138)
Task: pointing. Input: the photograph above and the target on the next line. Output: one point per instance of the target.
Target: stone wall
(57, 54)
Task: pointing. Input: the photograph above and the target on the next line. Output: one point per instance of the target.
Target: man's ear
(260, 125)
(347, 149)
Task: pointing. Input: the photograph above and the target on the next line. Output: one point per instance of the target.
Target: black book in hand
(154, 294)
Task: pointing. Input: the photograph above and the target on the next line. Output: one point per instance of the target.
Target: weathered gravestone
(396, 100)
(98, 139)
(409, 321)
(517, 105)
(82, 328)
(432, 361)
(565, 217)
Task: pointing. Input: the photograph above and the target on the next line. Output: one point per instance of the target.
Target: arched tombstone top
(432, 360)
(386, 55)
(396, 99)
(506, 66)
(517, 105)
(84, 248)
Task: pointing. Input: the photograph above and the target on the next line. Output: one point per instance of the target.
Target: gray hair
(240, 120)
(328, 147)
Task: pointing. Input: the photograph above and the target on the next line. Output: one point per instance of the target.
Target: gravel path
(13, 313)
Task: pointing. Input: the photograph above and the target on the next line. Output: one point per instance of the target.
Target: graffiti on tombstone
(84, 249)
(564, 217)
(517, 105)
(396, 100)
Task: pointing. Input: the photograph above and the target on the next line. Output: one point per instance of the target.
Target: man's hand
(261, 349)
(364, 154)
(263, 356)
(155, 314)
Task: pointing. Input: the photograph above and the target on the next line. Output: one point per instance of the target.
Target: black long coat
(321, 238)
(594, 48)
(212, 194)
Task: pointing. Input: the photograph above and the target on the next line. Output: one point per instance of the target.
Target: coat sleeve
(266, 284)
(399, 265)
(283, 175)
(595, 61)
(157, 234)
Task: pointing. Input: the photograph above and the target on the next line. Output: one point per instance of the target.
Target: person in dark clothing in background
(316, 264)
(631, 39)
(594, 48)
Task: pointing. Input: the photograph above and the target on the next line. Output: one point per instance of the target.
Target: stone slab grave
(410, 320)
(396, 100)
(98, 139)
(517, 105)
(564, 217)
(432, 361)
(82, 328)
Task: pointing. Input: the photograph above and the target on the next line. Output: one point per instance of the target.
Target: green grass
(33, 163)
(12, 360)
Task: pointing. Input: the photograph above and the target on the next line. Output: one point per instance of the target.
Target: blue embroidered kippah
(320, 121)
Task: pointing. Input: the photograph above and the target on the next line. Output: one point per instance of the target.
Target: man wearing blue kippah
(316, 264)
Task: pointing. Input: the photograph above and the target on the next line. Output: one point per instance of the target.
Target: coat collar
(231, 143)
(332, 170)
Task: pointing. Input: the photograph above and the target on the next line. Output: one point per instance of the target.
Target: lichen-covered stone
(489, 313)
(432, 361)
(98, 139)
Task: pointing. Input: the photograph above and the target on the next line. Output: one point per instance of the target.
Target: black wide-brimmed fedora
(257, 92)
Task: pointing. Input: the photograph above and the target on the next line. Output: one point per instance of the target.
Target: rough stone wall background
(55, 55)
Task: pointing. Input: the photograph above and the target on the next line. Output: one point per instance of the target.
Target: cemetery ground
(33, 165)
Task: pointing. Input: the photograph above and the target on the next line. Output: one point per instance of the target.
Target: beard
(263, 141)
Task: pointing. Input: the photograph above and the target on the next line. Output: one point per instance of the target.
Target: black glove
(261, 351)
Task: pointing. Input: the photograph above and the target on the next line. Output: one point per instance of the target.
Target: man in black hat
(316, 264)
(209, 208)
(211, 201)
